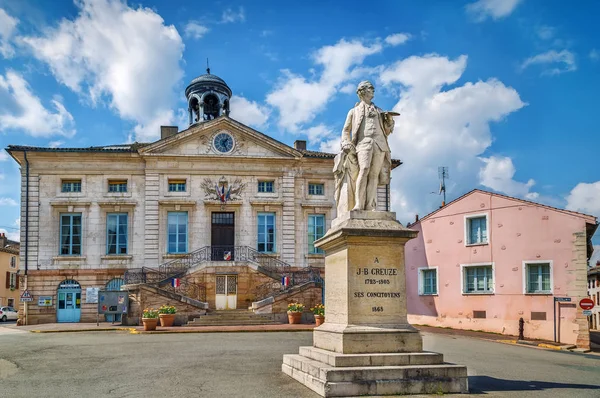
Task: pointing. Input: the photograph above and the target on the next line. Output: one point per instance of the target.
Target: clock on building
(223, 142)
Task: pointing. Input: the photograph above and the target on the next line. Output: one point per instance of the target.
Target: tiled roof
(575, 213)
(9, 250)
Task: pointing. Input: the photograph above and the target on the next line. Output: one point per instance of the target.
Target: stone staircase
(233, 318)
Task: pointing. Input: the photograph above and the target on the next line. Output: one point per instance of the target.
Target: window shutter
(7, 280)
(17, 282)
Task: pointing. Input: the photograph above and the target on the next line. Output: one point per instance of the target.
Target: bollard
(521, 327)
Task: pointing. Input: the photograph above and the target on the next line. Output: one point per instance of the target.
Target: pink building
(485, 260)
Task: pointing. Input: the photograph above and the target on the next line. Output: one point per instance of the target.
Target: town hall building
(217, 216)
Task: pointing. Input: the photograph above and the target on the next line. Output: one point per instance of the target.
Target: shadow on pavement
(486, 384)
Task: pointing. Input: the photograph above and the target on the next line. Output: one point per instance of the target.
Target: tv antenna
(443, 174)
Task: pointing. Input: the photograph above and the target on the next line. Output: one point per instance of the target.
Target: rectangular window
(13, 280)
(538, 278)
(428, 281)
(70, 234)
(177, 185)
(316, 230)
(266, 232)
(177, 232)
(71, 186)
(13, 262)
(316, 189)
(478, 279)
(476, 230)
(117, 186)
(11, 302)
(265, 186)
(116, 233)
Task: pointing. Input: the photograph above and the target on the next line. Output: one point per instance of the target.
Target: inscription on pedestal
(375, 285)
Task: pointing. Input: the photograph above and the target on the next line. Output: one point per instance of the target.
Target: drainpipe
(25, 306)
(387, 197)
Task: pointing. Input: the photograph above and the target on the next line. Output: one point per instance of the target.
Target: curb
(84, 330)
(133, 330)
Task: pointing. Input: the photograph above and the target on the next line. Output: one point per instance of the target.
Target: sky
(502, 92)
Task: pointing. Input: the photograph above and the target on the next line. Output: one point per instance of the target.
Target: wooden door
(222, 238)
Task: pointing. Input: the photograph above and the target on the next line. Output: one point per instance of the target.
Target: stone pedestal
(366, 346)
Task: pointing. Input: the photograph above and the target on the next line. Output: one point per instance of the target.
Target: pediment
(201, 140)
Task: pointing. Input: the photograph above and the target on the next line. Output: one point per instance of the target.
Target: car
(8, 314)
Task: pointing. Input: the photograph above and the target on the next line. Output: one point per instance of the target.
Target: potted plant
(294, 312)
(150, 319)
(166, 314)
(319, 312)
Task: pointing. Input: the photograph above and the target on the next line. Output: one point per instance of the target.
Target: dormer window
(71, 186)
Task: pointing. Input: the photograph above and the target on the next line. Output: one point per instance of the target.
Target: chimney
(3, 240)
(300, 145)
(416, 218)
(167, 131)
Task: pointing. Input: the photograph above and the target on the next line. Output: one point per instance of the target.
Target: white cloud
(496, 9)
(20, 109)
(562, 61)
(498, 173)
(230, 16)
(149, 130)
(55, 144)
(3, 155)
(397, 39)
(249, 112)
(299, 99)
(440, 128)
(594, 55)
(194, 30)
(8, 202)
(546, 32)
(111, 51)
(319, 134)
(584, 198)
(13, 234)
(7, 30)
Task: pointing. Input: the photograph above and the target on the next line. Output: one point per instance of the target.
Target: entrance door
(223, 236)
(226, 292)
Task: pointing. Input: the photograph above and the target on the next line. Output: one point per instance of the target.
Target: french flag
(285, 281)
(176, 282)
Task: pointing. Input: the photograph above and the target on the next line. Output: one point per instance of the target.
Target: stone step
(329, 381)
(233, 323)
(409, 372)
(379, 359)
(240, 317)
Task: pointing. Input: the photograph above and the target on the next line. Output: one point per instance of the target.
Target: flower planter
(166, 320)
(294, 317)
(149, 323)
(319, 319)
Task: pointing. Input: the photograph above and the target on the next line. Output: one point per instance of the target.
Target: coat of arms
(222, 190)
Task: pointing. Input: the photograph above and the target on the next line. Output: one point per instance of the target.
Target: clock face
(223, 142)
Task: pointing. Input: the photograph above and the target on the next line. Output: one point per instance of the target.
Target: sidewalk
(108, 327)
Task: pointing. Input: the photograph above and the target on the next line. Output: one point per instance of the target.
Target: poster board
(91, 295)
(113, 302)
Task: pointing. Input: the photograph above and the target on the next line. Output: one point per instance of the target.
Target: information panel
(112, 302)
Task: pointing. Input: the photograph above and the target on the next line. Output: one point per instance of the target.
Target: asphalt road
(118, 364)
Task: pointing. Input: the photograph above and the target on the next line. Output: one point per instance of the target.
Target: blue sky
(503, 92)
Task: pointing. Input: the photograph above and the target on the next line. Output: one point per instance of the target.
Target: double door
(226, 292)
(69, 306)
(222, 238)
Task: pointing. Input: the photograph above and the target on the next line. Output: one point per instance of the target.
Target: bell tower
(208, 98)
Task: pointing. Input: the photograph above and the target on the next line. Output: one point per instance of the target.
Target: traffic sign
(562, 299)
(587, 312)
(26, 296)
(586, 303)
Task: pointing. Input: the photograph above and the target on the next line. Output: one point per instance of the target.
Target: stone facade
(189, 156)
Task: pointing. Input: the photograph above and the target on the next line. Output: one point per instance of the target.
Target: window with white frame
(316, 230)
(316, 189)
(13, 280)
(538, 278)
(428, 281)
(476, 227)
(70, 234)
(266, 232)
(266, 186)
(478, 279)
(116, 233)
(71, 186)
(13, 262)
(177, 232)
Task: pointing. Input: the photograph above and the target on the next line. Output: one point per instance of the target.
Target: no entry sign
(586, 304)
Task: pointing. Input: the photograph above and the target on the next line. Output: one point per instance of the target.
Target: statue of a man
(365, 160)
